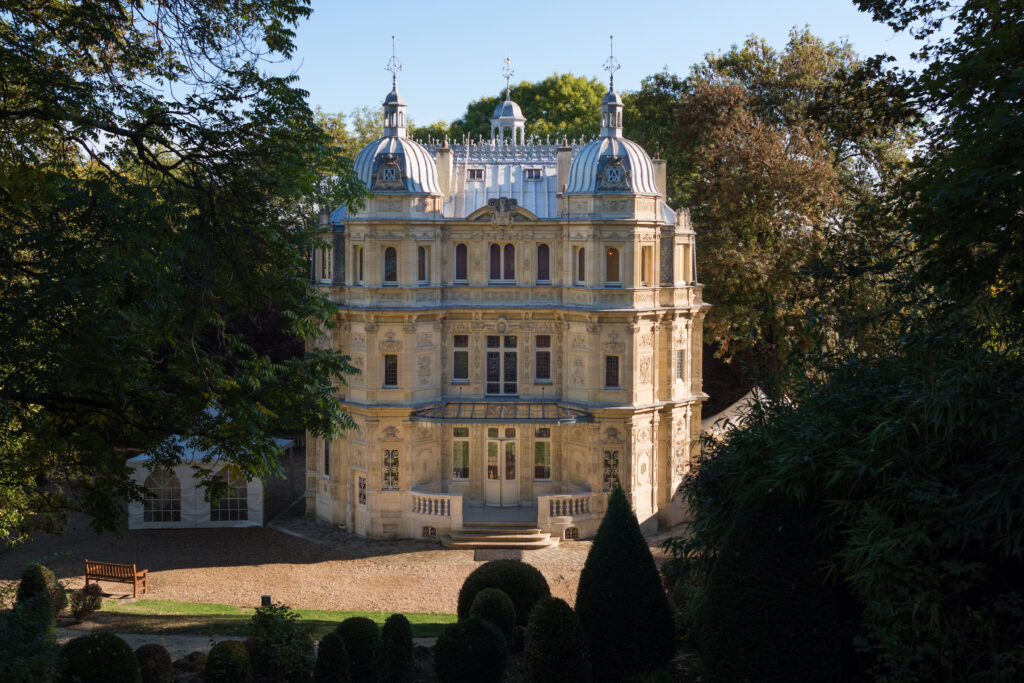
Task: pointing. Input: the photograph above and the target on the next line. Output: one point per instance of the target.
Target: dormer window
(533, 174)
(475, 175)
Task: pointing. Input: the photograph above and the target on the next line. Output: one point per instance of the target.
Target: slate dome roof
(509, 110)
(592, 158)
(419, 170)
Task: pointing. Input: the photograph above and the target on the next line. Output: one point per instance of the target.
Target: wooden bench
(119, 573)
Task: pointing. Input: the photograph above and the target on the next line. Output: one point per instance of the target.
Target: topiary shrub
(555, 647)
(38, 580)
(493, 605)
(86, 601)
(362, 640)
(767, 613)
(283, 646)
(228, 662)
(395, 659)
(97, 658)
(28, 641)
(154, 663)
(620, 601)
(332, 660)
(470, 651)
(523, 583)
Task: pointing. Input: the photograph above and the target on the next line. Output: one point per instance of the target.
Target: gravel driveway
(335, 571)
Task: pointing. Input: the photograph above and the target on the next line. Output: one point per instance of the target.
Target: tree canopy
(160, 194)
(780, 154)
(561, 105)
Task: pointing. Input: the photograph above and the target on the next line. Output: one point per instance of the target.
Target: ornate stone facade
(519, 341)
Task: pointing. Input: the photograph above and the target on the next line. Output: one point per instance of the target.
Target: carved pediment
(388, 174)
(613, 174)
(502, 211)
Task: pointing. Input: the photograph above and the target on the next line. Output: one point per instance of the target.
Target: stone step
(490, 530)
(502, 543)
(457, 535)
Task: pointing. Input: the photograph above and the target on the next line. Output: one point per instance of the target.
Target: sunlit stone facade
(526, 321)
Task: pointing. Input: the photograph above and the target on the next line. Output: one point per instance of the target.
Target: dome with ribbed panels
(397, 165)
(612, 164)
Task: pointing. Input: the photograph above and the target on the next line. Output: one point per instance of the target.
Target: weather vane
(394, 66)
(507, 72)
(612, 65)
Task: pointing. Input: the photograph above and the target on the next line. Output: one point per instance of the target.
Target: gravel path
(326, 570)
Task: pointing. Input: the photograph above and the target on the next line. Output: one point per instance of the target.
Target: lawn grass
(201, 618)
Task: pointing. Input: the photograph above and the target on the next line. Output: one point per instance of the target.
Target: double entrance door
(501, 486)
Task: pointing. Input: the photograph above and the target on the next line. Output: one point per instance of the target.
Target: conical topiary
(395, 661)
(620, 602)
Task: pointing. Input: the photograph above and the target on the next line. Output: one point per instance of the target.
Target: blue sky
(452, 52)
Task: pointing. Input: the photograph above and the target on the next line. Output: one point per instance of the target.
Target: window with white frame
(542, 453)
(533, 174)
(542, 359)
(163, 497)
(475, 175)
(460, 453)
(234, 505)
(460, 358)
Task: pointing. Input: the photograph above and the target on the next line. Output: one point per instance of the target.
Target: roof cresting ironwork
(612, 65)
(394, 66)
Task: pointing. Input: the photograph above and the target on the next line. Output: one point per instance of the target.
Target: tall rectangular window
(460, 453)
(502, 365)
(611, 372)
(390, 266)
(390, 480)
(543, 263)
(357, 264)
(679, 365)
(646, 266)
(461, 262)
(390, 370)
(327, 457)
(460, 358)
(543, 357)
(542, 453)
(611, 266)
(325, 264)
(423, 265)
(579, 275)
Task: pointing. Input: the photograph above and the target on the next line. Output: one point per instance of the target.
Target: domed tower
(508, 117)
(395, 163)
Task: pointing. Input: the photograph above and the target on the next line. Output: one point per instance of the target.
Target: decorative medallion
(613, 175)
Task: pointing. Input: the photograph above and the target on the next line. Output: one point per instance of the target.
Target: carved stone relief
(645, 370)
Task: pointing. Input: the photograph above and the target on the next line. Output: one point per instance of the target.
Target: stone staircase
(494, 535)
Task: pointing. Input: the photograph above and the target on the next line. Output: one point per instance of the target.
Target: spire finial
(612, 65)
(507, 72)
(394, 66)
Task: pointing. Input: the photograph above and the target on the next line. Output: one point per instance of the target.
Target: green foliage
(395, 660)
(97, 658)
(163, 235)
(28, 641)
(768, 613)
(555, 649)
(154, 663)
(494, 605)
(283, 645)
(470, 651)
(911, 468)
(229, 663)
(620, 601)
(784, 158)
(39, 580)
(85, 601)
(562, 105)
(362, 640)
(332, 660)
(521, 582)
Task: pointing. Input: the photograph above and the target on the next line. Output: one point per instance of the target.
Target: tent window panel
(163, 497)
(234, 506)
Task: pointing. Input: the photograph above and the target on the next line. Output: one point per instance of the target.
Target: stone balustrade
(432, 514)
(581, 512)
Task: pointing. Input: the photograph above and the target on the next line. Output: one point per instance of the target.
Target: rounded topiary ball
(555, 647)
(97, 658)
(470, 651)
(522, 583)
(494, 605)
(362, 640)
(155, 663)
(332, 660)
(228, 663)
(38, 580)
(395, 660)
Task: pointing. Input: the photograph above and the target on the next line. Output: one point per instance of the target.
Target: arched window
(423, 264)
(390, 266)
(510, 262)
(163, 497)
(461, 259)
(581, 266)
(234, 506)
(543, 263)
(611, 266)
(502, 263)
